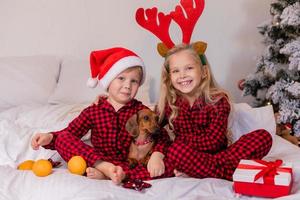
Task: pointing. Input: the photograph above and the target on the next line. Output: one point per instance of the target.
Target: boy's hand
(41, 139)
(156, 166)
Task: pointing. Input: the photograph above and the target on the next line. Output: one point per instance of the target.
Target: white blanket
(17, 126)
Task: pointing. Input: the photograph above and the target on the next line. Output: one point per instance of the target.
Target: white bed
(42, 104)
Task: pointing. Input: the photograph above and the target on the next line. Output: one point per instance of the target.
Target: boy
(121, 72)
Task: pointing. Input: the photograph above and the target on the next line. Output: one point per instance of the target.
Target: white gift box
(262, 178)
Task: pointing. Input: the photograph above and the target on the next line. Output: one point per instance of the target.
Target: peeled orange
(42, 167)
(26, 165)
(77, 165)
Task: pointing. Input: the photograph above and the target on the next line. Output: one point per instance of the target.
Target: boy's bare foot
(116, 174)
(180, 174)
(94, 173)
(113, 172)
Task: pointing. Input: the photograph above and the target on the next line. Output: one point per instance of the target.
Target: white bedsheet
(17, 126)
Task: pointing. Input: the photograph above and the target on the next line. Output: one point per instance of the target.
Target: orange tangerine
(26, 165)
(77, 165)
(42, 167)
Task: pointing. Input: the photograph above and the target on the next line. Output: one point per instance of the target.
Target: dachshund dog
(144, 128)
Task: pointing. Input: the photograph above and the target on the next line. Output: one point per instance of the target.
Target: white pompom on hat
(108, 63)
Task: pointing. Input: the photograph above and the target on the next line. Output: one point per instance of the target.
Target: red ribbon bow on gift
(268, 170)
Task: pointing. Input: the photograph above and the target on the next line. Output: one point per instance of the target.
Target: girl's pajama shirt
(200, 146)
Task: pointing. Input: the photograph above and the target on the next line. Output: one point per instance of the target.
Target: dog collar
(140, 143)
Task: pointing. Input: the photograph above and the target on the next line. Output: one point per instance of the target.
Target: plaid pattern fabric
(202, 126)
(254, 145)
(200, 147)
(140, 171)
(109, 137)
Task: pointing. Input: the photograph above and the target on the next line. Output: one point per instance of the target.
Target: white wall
(75, 27)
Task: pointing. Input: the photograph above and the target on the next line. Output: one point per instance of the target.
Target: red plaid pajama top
(203, 126)
(200, 146)
(109, 137)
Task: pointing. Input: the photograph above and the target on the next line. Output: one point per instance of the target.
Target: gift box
(263, 178)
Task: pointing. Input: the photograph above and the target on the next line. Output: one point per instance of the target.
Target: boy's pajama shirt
(109, 137)
(200, 146)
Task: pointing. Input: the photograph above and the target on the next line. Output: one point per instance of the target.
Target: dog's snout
(156, 131)
(155, 134)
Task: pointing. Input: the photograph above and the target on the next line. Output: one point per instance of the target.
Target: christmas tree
(277, 76)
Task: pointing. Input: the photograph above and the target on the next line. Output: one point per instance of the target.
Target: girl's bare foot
(113, 172)
(180, 174)
(94, 173)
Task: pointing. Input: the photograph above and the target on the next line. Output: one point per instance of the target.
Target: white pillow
(71, 87)
(245, 119)
(27, 80)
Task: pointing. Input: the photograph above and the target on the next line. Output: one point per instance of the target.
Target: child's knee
(263, 135)
(263, 140)
(267, 139)
(259, 135)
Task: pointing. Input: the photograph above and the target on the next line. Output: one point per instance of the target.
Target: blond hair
(129, 69)
(208, 87)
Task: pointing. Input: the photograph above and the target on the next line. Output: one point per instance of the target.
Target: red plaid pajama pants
(67, 145)
(184, 158)
(254, 145)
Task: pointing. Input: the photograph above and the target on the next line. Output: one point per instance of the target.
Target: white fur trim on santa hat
(119, 66)
(92, 82)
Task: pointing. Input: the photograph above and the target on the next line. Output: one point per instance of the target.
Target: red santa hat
(108, 63)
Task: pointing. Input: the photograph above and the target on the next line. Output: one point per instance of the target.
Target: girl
(197, 111)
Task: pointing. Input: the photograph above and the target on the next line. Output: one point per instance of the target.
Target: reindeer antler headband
(161, 29)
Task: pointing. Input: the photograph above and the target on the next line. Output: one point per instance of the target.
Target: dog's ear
(132, 126)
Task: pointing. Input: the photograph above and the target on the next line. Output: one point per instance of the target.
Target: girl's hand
(41, 139)
(156, 166)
